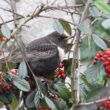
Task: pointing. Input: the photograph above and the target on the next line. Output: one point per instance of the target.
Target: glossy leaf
(99, 42)
(101, 5)
(94, 12)
(5, 31)
(50, 103)
(84, 29)
(30, 99)
(95, 91)
(106, 23)
(66, 26)
(22, 70)
(6, 98)
(20, 83)
(62, 90)
(37, 99)
(58, 27)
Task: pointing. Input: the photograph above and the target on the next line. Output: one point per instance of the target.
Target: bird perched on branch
(44, 54)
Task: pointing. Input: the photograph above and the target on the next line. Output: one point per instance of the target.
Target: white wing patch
(61, 53)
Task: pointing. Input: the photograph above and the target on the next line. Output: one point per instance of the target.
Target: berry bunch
(4, 86)
(60, 71)
(104, 56)
(104, 105)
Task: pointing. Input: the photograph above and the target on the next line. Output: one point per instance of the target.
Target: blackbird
(44, 54)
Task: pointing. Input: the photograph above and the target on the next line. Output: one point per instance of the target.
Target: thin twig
(42, 16)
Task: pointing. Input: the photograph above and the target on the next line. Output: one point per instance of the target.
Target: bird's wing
(43, 51)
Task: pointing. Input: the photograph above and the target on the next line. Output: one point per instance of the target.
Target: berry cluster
(60, 72)
(104, 56)
(104, 105)
(4, 86)
(41, 108)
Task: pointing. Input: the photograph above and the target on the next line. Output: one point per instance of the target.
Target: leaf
(5, 31)
(106, 23)
(101, 5)
(62, 90)
(94, 12)
(63, 105)
(95, 91)
(58, 27)
(85, 81)
(93, 71)
(30, 99)
(20, 83)
(11, 65)
(6, 98)
(22, 70)
(50, 103)
(88, 51)
(99, 42)
(15, 102)
(84, 29)
(66, 26)
(37, 99)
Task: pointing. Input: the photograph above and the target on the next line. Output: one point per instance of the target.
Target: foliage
(89, 36)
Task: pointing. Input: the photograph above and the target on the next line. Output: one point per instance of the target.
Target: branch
(47, 8)
(74, 78)
(94, 102)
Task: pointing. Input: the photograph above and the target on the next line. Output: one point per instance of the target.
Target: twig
(56, 18)
(94, 102)
(47, 8)
(74, 78)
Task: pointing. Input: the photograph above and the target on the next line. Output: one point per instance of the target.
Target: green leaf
(94, 12)
(95, 91)
(15, 102)
(66, 26)
(37, 99)
(84, 29)
(93, 71)
(30, 99)
(85, 81)
(5, 31)
(62, 90)
(58, 27)
(101, 5)
(11, 65)
(106, 23)
(67, 65)
(20, 83)
(6, 98)
(22, 70)
(99, 42)
(50, 103)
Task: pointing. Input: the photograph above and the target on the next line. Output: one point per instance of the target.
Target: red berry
(61, 65)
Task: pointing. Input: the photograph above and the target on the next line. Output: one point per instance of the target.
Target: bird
(44, 54)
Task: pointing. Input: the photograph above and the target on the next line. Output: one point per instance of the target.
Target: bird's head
(58, 39)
